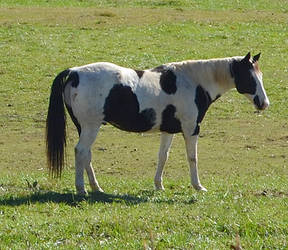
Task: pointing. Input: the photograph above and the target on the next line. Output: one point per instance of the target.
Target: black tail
(56, 126)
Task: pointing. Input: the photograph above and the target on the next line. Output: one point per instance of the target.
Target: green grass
(242, 153)
(277, 5)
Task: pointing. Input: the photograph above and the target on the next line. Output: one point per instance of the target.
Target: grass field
(243, 158)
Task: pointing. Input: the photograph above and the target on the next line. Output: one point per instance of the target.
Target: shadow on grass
(70, 199)
(75, 200)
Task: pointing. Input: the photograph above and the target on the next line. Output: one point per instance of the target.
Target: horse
(171, 98)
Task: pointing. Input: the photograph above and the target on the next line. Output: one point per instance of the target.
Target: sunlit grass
(242, 154)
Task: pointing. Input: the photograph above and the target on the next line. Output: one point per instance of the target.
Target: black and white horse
(171, 98)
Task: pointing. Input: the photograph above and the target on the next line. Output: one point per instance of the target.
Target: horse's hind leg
(83, 159)
(166, 140)
(92, 178)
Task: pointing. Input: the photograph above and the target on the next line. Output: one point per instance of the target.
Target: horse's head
(248, 80)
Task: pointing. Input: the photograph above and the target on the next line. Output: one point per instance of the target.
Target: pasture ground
(242, 153)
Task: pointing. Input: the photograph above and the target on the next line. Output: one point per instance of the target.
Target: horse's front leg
(191, 148)
(166, 140)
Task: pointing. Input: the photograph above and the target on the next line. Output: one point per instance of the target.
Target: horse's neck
(213, 75)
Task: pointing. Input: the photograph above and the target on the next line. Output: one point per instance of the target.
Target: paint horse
(171, 98)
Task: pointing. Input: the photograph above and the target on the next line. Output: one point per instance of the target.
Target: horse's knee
(78, 150)
(81, 152)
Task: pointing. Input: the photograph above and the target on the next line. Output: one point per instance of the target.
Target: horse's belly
(122, 110)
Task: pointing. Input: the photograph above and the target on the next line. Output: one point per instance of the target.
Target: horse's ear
(256, 58)
(247, 57)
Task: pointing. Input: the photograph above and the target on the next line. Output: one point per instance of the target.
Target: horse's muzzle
(260, 105)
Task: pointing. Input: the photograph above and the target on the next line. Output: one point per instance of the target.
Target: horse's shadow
(71, 199)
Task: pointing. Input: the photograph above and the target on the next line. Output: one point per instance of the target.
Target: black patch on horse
(139, 73)
(203, 101)
(257, 101)
(121, 109)
(170, 123)
(74, 119)
(167, 79)
(244, 80)
(74, 79)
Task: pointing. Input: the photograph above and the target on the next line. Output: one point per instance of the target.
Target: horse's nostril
(265, 104)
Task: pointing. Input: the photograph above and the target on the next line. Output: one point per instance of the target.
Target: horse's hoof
(200, 188)
(159, 188)
(96, 189)
(82, 192)
(158, 185)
